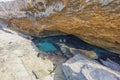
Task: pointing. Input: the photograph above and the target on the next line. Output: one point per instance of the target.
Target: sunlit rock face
(94, 21)
(18, 58)
(33, 8)
(12, 8)
(95, 28)
(43, 8)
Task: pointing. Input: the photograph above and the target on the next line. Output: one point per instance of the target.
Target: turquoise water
(48, 44)
(46, 47)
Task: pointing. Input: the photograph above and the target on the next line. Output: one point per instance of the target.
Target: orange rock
(100, 29)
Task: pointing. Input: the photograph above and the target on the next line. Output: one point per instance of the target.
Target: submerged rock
(90, 54)
(69, 45)
(82, 68)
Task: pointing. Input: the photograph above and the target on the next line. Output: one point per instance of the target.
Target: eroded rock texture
(79, 67)
(18, 59)
(94, 21)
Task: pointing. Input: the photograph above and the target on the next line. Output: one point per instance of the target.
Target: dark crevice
(77, 43)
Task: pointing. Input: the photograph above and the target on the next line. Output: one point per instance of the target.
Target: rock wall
(100, 29)
(43, 8)
(94, 21)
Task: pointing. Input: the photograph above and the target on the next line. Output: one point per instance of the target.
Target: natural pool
(48, 44)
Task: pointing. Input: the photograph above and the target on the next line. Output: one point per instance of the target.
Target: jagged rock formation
(79, 67)
(13, 8)
(18, 60)
(42, 8)
(94, 21)
(100, 29)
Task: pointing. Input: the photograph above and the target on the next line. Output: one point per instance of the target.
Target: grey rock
(82, 68)
(111, 64)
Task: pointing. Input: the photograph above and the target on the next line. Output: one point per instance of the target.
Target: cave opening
(54, 44)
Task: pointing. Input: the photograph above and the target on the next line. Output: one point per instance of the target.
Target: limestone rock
(95, 24)
(111, 64)
(70, 52)
(18, 59)
(106, 61)
(81, 68)
(43, 8)
(94, 21)
(12, 8)
(100, 29)
(90, 54)
(29, 8)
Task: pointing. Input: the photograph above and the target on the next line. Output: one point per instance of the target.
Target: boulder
(82, 68)
(18, 58)
(94, 21)
(70, 52)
